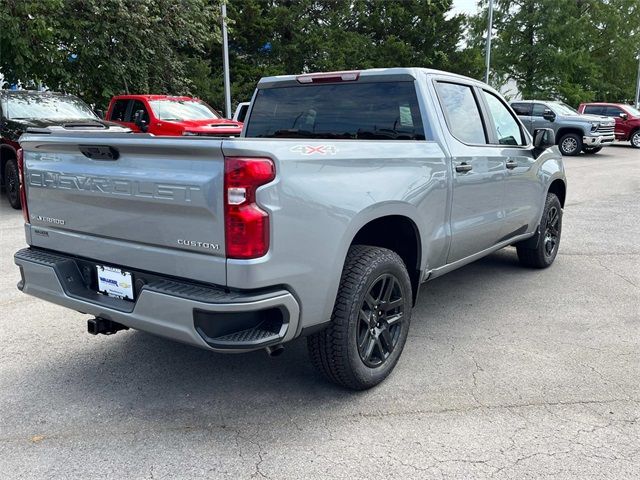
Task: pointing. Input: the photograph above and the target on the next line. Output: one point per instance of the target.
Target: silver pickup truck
(575, 132)
(346, 191)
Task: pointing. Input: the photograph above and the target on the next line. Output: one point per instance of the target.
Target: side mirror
(99, 113)
(543, 138)
(548, 115)
(141, 123)
(624, 116)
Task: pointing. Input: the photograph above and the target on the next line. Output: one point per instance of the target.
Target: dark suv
(22, 109)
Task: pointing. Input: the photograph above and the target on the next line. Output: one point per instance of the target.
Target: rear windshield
(366, 111)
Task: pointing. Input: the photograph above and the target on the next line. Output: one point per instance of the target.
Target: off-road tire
(12, 183)
(542, 256)
(570, 144)
(334, 351)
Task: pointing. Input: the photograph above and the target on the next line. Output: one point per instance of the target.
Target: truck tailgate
(149, 203)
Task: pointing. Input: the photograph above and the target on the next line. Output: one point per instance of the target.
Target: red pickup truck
(627, 119)
(169, 115)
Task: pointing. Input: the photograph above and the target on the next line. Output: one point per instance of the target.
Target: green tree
(98, 48)
(270, 37)
(615, 50)
(572, 50)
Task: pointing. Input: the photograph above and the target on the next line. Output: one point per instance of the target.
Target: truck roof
(177, 98)
(536, 101)
(606, 103)
(400, 73)
(33, 92)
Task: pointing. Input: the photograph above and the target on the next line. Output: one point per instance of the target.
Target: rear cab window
(360, 110)
(119, 110)
(594, 110)
(462, 112)
(523, 109)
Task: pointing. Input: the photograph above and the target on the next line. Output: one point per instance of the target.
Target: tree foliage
(270, 37)
(573, 50)
(98, 48)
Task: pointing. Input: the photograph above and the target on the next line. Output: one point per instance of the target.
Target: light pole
(225, 61)
(638, 85)
(487, 53)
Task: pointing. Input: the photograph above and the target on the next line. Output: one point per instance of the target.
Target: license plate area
(115, 282)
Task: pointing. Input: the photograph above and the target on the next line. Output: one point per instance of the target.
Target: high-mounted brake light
(23, 187)
(246, 224)
(329, 77)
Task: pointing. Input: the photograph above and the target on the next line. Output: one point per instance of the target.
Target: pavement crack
(474, 375)
(617, 274)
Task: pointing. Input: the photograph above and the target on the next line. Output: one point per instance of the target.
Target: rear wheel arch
(400, 234)
(559, 188)
(7, 152)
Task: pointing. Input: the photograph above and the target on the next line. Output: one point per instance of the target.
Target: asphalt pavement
(507, 373)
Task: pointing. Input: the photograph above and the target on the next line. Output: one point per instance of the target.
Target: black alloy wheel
(12, 184)
(541, 250)
(552, 232)
(380, 320)
(370, 321)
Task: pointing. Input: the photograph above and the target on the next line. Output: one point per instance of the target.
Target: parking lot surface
(507, 373)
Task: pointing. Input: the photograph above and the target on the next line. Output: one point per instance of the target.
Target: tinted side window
(521, 108)
(119, 110)
(462, 112)
(243, 113)
(538, 109)
(138, 105)
(507, 127)
(594, 110)
(613, 112)
(367, 111)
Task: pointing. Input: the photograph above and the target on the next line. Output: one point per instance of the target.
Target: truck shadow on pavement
(139, 374)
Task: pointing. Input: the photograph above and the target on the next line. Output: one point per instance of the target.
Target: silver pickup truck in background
(575, 132)
(346, 191)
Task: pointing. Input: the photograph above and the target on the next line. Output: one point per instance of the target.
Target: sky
(465, 6)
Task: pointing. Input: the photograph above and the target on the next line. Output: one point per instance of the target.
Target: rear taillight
(23, 185)
(246, 224)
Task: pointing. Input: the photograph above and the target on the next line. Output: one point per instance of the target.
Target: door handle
(463, 167)
(511, 164)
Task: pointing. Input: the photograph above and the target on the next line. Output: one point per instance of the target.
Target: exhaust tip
(275, 350)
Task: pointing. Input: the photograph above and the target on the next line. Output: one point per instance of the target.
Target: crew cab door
(138, 106)
(622, 127)
(537, 117)
(522, 190)
(478, 171)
